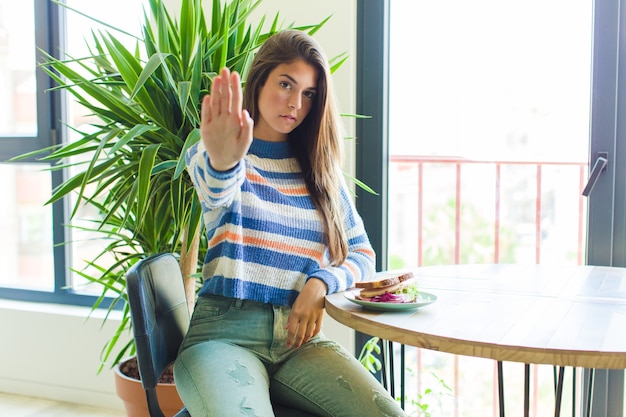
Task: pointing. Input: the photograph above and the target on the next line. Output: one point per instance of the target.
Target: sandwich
(388, 287)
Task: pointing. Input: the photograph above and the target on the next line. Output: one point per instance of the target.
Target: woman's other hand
(225, 128)
(307, 313)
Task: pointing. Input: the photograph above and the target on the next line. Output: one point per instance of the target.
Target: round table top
(540, 314)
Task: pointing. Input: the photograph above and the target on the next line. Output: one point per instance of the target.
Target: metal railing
(459, 164)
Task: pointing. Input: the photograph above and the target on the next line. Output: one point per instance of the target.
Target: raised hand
(225, 128)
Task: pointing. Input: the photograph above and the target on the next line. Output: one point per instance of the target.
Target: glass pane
(489, 128)
(80, 38)
(18, 106)
(26, 258)
(87, 244)
(489, 138)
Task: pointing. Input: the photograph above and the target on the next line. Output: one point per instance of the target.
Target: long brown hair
(317, 140)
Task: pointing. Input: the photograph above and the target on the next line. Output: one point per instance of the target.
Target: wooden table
(533, 314)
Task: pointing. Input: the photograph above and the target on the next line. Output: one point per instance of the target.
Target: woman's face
(285, 100)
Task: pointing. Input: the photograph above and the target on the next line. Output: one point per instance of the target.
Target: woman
(283, 233)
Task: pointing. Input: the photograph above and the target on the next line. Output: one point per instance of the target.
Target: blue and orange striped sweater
(265, 235)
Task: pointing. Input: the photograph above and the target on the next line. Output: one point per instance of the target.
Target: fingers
(247, 125)
(205, 109)
(220, 94)
(301, 330)
(226, 99)
(216, 95)
(226, 94)
(235, 91)
(301, 333)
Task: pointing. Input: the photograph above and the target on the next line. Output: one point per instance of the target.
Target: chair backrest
(160, 317)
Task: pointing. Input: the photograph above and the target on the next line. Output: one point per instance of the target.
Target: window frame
(372, 150)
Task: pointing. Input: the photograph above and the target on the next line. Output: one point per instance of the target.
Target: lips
(289, 117)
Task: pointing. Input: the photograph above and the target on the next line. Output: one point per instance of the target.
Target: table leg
(526, 390)
(392, 373)
(574, 405)
(501, 388)
(402, 374)
(589, 398)
(384, 363)
(387, 371)
(559, 391)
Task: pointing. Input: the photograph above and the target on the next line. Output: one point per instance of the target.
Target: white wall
(336, 37)
(52, 352)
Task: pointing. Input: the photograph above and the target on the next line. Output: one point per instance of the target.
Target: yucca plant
(146, 103)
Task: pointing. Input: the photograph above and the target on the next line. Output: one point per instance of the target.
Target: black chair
(160, 317)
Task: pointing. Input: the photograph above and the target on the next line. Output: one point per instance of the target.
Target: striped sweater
(265, 235)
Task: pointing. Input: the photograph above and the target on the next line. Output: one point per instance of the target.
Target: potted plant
(130, 162)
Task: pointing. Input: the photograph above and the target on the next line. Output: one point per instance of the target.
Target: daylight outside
(489, 137)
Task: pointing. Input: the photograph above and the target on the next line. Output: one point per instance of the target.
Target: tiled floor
(18, 406)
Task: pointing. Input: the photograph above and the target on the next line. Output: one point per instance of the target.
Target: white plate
(423, 299)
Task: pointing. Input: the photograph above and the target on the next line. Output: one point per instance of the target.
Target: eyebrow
(293, 80)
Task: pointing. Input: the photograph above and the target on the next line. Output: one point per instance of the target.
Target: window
(541, 227)
(25, 232)
(34, 262)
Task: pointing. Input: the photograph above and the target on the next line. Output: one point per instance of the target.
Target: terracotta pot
(133, 395)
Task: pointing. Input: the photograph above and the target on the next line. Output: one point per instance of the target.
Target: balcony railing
(524, 210)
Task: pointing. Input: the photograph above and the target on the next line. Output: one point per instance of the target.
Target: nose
(295, 102)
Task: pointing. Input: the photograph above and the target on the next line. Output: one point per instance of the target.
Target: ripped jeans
(235, 362)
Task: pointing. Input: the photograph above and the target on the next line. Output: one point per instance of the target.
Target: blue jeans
(235, 362)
